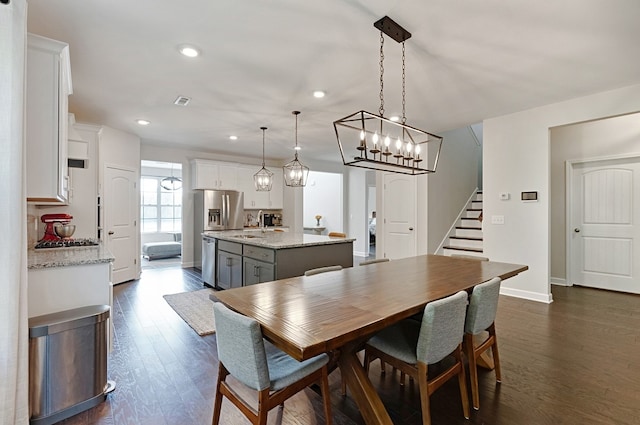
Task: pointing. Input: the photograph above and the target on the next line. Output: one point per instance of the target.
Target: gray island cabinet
(249, 257)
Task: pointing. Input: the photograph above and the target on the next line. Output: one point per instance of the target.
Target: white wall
(84, 191)
(517, 158)
(323, 195)
(595, 139)
(358, 223)
(449, 188)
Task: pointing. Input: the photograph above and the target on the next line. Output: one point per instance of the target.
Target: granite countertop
(275, 240)
(63, 257)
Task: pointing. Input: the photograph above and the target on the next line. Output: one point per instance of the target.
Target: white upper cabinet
(48, 86)
(252, 198)
(230, 176)
(214, 175)
(276, 196)
(260, 200)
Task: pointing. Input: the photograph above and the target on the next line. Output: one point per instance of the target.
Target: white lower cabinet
(55, 289)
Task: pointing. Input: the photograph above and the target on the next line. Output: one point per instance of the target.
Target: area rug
(195, 308)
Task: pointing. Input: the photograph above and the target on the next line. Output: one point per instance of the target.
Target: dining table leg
(361, 389)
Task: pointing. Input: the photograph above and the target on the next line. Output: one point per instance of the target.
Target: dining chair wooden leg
(462, 381)
(423, 385)
(473, 370)
(494, 351)
(263, 407)
(217, 405)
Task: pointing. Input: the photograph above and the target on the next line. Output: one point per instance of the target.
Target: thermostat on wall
(529, 196)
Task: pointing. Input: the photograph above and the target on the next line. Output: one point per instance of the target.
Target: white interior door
(120, 221)
(399, 204)
(604, 228)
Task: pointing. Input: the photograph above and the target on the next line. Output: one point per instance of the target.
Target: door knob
(410, 228)
(576, 230)
(111, 232)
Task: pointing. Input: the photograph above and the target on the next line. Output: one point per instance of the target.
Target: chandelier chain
(404, 115)
(263, 129)
(381, 110)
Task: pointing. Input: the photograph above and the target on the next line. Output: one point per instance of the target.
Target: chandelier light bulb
(417, 150)
(398, 144)
(409, 146)
(387, 141)
(375, 138)
(362, 135)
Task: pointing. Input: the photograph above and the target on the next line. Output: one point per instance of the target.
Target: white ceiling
(261, 59)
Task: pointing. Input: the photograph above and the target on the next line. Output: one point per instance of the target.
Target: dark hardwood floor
(575, 361)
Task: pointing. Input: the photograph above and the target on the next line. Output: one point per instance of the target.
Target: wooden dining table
(336, 312)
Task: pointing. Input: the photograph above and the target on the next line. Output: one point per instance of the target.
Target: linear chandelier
(379, 143)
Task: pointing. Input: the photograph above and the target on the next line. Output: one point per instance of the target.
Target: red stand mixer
(51, 220)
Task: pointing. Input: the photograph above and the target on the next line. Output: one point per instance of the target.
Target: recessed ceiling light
(319, 94)
(143, 122)
(233, 137)
(189, 51)
(394, 118)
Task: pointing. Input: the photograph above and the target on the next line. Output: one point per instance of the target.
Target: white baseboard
(560, 281)
(527, 295)
(359, 254)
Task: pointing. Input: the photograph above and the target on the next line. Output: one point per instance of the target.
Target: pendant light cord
(404, 115)
(381, 109)
(263, 130)
(296, 113)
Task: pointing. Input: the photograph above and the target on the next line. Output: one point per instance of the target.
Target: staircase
(466, 237)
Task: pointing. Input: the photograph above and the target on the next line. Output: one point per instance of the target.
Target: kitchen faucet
(261, 221)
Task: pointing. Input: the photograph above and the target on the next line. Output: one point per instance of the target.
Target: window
(161, 209)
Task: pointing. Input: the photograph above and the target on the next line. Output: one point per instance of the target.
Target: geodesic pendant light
(263, 179)
(295, 174)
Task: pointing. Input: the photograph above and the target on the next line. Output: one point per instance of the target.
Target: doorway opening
(371, 212)
(160, 214)
(323, 205)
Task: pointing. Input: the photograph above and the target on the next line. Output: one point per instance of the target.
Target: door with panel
(120, 221)
(399, 215)
(604, 216)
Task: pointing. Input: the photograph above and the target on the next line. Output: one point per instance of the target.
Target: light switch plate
(497, 219)
(504, 196)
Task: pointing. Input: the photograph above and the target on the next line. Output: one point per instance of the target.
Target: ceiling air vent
(182, 101)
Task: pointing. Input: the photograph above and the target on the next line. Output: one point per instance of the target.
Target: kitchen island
(247, 257)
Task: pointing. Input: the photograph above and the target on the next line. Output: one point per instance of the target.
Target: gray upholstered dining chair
(481, 316)
(374, 261)
(275, 375)
(311, 272)
(411, 347)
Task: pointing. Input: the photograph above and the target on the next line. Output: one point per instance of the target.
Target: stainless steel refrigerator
(215, 210)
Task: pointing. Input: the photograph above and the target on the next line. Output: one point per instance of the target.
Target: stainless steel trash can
(67, 363)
